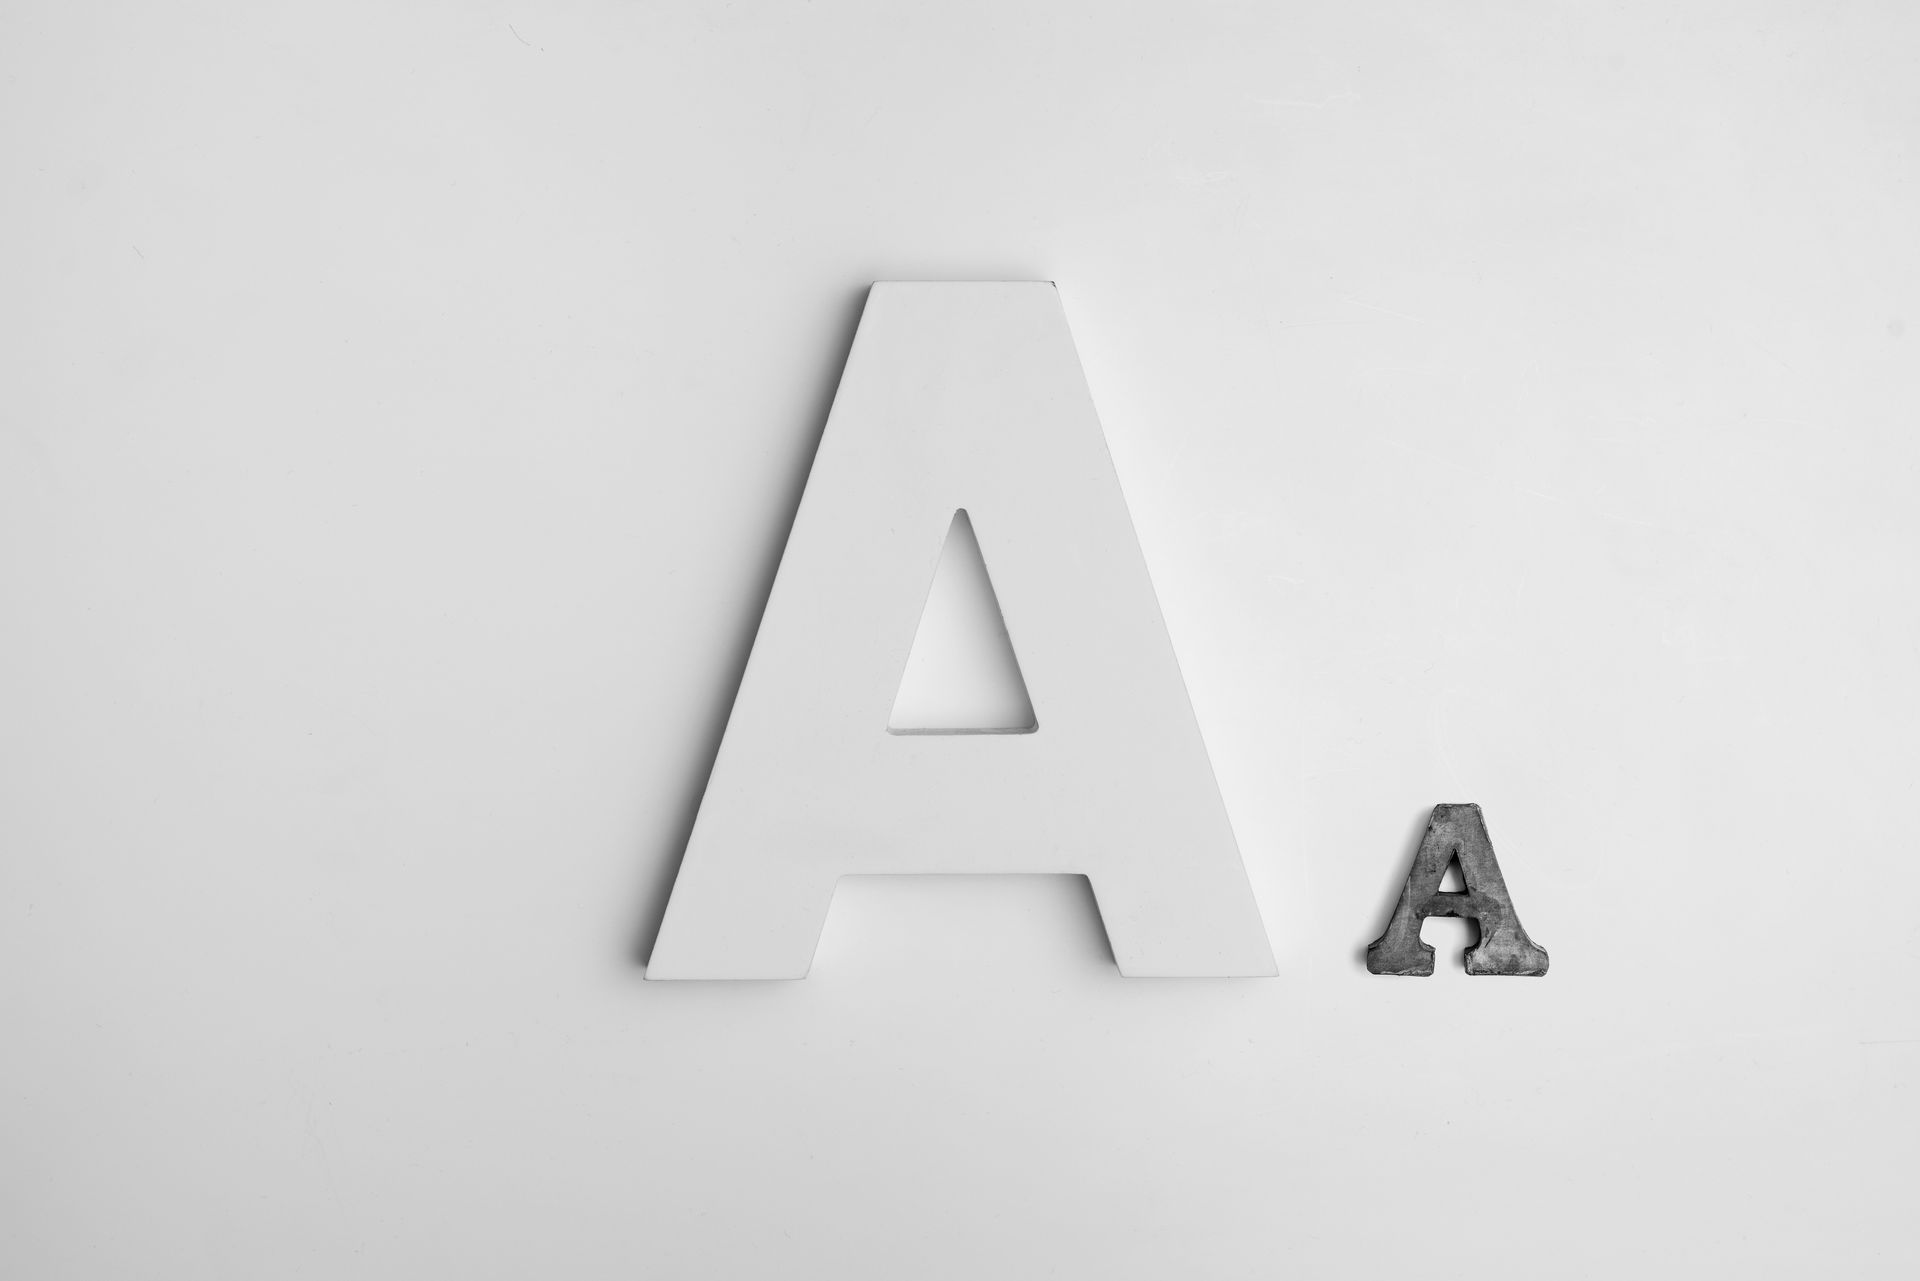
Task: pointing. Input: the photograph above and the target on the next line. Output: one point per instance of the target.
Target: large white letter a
(961, 397)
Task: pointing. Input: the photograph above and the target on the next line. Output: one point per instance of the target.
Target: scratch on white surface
(1385, 311)
(1202, 178)
(1314, 324)
(1633, 520)
(1307, 104)
(1440, 738)
(1479, 473)
(326, 1160)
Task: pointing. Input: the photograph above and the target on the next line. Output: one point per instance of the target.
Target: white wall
(404, 405)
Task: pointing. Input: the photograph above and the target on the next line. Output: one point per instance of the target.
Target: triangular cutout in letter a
(962, 676)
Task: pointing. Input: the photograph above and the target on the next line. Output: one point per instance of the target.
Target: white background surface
(403, 409)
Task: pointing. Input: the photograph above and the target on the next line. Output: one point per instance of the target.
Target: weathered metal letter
(1457, 831)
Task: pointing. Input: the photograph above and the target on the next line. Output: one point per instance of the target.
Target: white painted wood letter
(961, 397)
